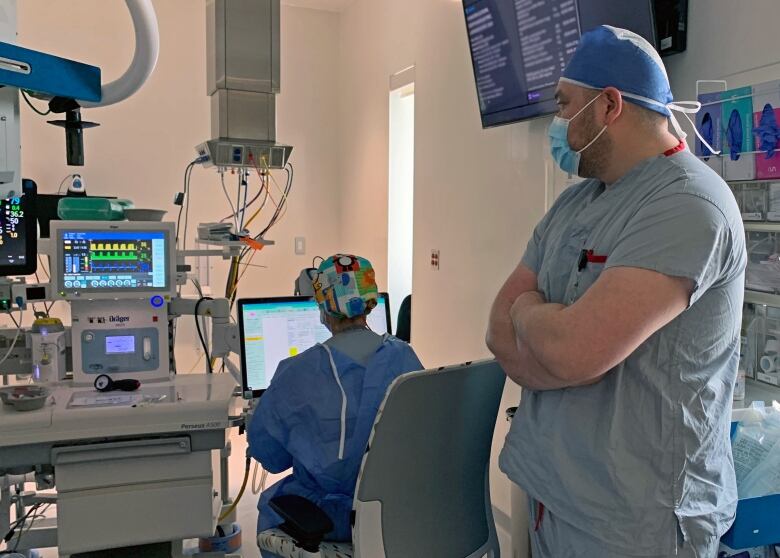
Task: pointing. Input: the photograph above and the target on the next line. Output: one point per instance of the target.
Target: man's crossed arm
(545, 346)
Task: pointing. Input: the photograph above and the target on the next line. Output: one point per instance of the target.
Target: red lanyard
(673, 150)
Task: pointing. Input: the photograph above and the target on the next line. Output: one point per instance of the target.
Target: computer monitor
(273, 329)
(18, 238)
(100, 260)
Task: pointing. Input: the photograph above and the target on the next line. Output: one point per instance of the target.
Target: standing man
(622, 325)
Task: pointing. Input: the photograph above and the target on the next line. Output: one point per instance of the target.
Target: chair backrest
(403, 327)
(426, 464)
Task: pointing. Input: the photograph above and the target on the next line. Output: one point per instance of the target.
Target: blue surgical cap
(612, 57)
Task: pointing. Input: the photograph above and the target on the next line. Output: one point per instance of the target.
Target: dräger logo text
(118, 319)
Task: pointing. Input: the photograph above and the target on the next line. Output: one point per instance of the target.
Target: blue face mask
(562, 153)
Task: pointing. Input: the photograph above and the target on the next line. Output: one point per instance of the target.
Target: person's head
(612, 105)
(345, 289)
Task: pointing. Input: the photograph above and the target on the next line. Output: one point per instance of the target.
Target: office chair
(423, 489)
(403, 328)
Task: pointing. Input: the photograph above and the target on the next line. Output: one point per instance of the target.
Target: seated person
(318, 412)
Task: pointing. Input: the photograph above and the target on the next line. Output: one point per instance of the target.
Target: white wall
(143, 144)
(735, 41)
(400, 199)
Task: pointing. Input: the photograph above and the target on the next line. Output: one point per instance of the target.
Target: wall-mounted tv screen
(519, 48)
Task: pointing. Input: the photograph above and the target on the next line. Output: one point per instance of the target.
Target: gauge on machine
(103, 383)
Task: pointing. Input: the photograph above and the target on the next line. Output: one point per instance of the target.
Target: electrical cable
(239, 207)
(238, 202)
(16, 337)
(264, 176)
(33, 518)
(200, 333)
(198, 286)
(235, 273)
(187, 171)
(232, 507)
(10, 534)
(187, 212)
(29, 104)
(44, 268)
(62, 183)
(257, 489)
(282, 205)
(227, 196)
(247, 206)
(253, 265)
(245, 182)
(266, 189)
(197, 362)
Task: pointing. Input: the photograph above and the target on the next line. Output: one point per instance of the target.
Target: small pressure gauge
(103, 383)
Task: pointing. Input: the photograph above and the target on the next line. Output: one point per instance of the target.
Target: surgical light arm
(69, 85)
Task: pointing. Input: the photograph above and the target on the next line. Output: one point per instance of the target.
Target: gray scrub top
(647, 448)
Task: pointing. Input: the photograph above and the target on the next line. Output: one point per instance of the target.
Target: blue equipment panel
(756, 523)
(52, 75)
(120, 351)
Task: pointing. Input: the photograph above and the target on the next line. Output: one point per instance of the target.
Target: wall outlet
(300, 246)
(435, 260)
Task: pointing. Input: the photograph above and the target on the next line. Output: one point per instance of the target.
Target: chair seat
(274, 540)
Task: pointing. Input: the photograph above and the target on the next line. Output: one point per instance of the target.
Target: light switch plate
(300, 246)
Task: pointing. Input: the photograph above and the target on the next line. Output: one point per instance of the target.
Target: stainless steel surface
(756, 226)
(758, 391)
(243, 78)
(755, 297)
(225, 152)
(243, 43)
(243, 115)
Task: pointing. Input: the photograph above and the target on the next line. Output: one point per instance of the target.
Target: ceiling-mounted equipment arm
(147, 49)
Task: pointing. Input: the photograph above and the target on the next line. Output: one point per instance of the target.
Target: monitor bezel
(276, 300)
(59, 228)
(28, 197)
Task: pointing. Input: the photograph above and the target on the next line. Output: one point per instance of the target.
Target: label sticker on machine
(92, 399)
(146, 396)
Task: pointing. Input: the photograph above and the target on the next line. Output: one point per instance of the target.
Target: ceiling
(329, 5)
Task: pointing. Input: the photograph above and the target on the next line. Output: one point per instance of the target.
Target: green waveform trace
(116, 256)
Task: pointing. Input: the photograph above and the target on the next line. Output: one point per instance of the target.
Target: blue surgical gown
(297, 424)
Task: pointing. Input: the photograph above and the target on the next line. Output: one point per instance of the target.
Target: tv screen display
(519, 48)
